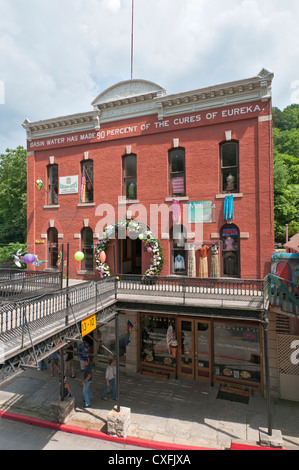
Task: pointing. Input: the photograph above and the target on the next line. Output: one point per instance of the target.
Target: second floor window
(177, 172)
(86, 190)
(229, 167)
(129, 177)
(53, 184)
(87, 248)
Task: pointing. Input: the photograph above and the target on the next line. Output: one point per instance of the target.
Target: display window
(237, 352)
(230, 237)
(158, 342)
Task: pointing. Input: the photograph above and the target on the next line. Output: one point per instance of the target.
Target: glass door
(186, 348)
(194, 353)
(203, 350)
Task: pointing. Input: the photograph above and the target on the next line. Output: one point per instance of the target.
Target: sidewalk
(180, 412)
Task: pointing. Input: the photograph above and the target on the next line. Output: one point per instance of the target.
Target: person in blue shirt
(87, 374)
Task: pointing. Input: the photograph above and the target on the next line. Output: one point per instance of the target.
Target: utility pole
(132, 39)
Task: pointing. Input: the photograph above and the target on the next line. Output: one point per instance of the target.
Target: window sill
(177, 198)
(86, 204)
(52, 206)
(222, 196)
(84, 271)
(128, 201)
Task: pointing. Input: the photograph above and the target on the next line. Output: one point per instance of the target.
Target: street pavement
(169, 411)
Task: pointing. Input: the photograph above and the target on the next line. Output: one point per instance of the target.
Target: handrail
(16, 284)
(48, 307)
(226, 287)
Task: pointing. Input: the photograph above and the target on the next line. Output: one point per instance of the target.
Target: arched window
(52, 239)
(177, 180)
(178, 236)
(230, 237)
(86, 190)
(53, 184)
(229, 155)
(87, 248)
(129, 177)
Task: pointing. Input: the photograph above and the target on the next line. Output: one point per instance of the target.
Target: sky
(57, 56)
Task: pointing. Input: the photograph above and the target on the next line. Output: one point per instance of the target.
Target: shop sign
(200, 212)
(230, 231)
(68, 184)
(88, 325)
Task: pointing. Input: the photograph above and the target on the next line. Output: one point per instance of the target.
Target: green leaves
(13, 197)
(286, 170)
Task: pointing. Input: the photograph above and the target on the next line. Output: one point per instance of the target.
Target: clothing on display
(203, 261)
(179, 262)
(228, 208)
(191, 263)
(230, 183)
(229, 244)
(214, 262)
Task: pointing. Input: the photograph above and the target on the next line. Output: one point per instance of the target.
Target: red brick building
(140, 147)
(205, 153)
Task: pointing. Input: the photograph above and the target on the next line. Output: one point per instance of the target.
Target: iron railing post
(267, 371)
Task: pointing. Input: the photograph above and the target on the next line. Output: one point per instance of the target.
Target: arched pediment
(127, 90)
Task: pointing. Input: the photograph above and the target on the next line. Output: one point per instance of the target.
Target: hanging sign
(88, 325)
(200, 212)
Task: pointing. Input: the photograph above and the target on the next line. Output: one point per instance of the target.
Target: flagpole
(132, 39)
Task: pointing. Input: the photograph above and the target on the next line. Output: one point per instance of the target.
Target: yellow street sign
(88, 325)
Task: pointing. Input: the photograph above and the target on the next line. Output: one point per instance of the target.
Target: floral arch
(134, 229)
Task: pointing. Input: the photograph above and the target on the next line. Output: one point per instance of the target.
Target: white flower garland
(135, 229)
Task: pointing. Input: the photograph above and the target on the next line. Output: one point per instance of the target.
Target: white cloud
(55, 57)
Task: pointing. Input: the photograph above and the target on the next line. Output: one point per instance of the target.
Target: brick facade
(194, 121)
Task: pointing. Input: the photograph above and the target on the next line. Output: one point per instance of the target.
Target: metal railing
(284, 294)
(46, 309)
(21, 284)
(194, 288)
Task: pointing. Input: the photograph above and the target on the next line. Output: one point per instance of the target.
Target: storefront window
(158, 341)
(237, 352)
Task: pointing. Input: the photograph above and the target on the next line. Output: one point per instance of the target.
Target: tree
(286, 170)
(13, 197)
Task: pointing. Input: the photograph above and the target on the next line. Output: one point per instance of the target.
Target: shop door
(130, 256)
(194, 353)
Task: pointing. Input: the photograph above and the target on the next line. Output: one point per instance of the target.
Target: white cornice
(131, 99)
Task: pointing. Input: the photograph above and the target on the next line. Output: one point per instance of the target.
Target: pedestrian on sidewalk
(110, 380)
(67, 389)
(54, 362)
(87, 374)
(83, 353)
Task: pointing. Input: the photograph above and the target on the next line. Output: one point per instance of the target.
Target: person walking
(83, 353)
(54, 363)
(110, 380)
(87, 374)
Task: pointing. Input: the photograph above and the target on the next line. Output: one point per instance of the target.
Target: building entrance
(195, 349)
(130, 256)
